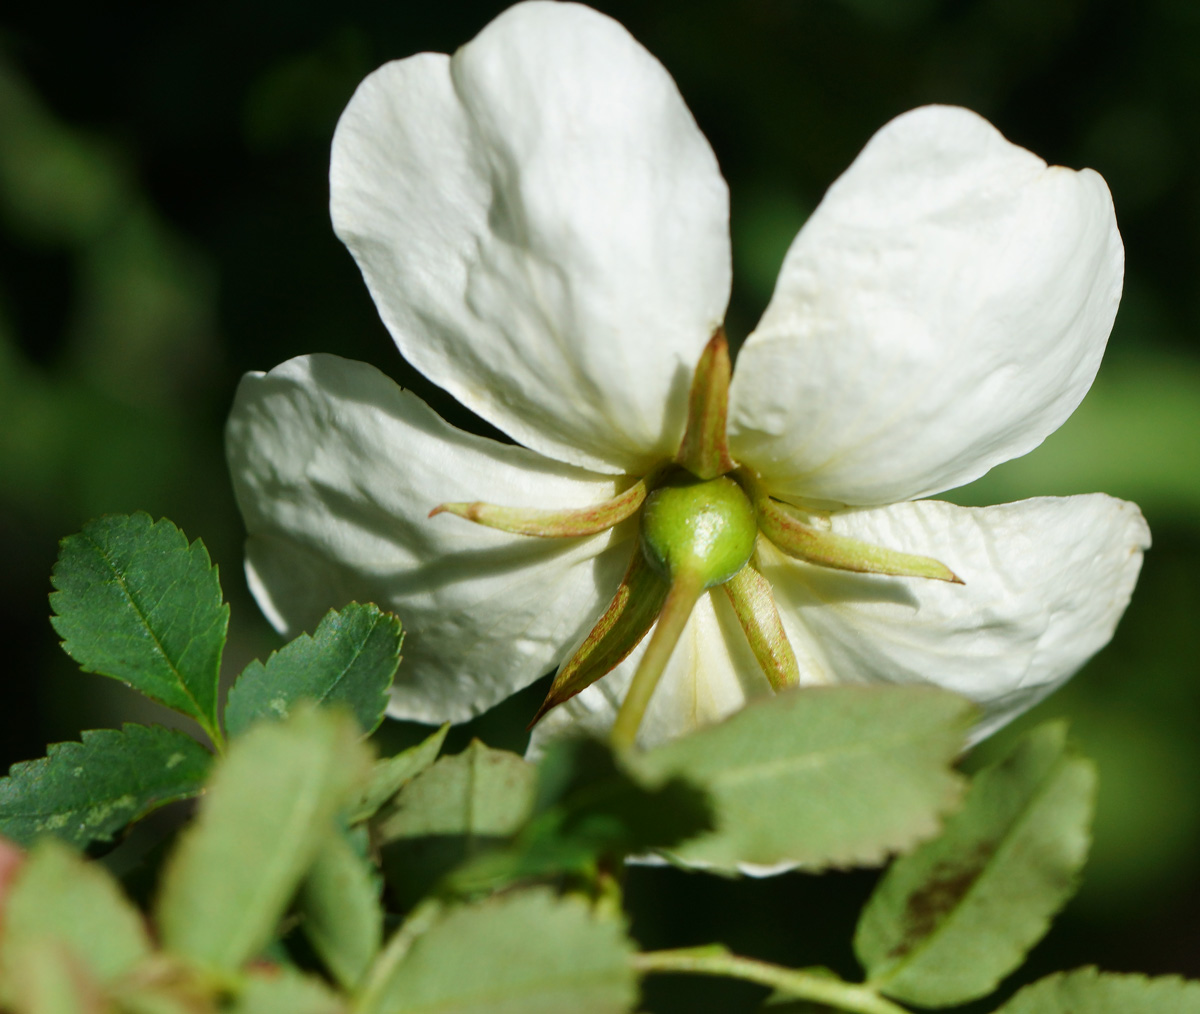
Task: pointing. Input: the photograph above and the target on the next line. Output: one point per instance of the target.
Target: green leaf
(588, 808)
(951, 919)
(339, 906)
(351, 660)
(389, 775)
(479, 793)
(269, 808)
(824, 776)
(180, 992)
(1088, 991)
(84, 792)
(58, 896)
(137, 603)
(284, 991)
(521, 953)
(44, 977)
(459, 807)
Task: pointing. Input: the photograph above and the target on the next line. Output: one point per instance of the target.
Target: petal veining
(544, 230)
(335, 470)
(943, 310)
(1046, 581)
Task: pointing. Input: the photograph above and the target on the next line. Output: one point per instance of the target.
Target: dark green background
(163, 228)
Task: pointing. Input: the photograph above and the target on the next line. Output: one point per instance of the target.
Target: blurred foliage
(163, 228)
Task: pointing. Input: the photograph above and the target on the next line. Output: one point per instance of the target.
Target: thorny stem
(716, 960)
(685, 590)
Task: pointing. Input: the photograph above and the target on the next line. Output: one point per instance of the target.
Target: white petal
(945, 309)
(544, 230)
(712, 673)
(1046, 582)
(336, 469)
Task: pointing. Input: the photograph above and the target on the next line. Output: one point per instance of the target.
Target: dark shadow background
(163, 228)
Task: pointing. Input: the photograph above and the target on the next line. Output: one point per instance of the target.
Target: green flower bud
(702, 529)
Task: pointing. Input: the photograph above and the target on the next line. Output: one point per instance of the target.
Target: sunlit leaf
(59, 896)
(44, 977)
(1088, 991)
(269, 808)
(283, 991)
(527, 953)
(951, 919)
(824, 776)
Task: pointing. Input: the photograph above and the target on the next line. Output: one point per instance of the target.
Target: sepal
(632, 612)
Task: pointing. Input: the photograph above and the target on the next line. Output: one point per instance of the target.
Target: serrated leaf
(951, 919)
(350, 659)
(60, 897)
(87, 791)
(1088, 991)
(456, 809)
(525, 953)
(389, 775)
(137, 603)
(339, 908)
(270, 806)
(824, 776)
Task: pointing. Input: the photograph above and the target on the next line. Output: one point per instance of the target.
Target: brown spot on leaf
(949, 882)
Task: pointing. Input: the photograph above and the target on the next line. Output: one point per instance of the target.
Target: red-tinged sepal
(551, 523)
(631, 613)
(799, 535)
(750, 595)
(704, 451)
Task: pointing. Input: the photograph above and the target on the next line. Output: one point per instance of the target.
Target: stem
(716, 960)
(373, 990)
(685, 590)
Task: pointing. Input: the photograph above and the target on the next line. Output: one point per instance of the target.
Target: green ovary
(698, 530)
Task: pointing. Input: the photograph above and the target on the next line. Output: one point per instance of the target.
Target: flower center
(701, 530)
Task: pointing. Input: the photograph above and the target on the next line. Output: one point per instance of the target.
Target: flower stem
(685, 590)
(716, 960)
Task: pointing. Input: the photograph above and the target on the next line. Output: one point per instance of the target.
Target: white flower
(545, 232)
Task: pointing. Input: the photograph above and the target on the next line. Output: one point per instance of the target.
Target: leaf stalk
(715, 960)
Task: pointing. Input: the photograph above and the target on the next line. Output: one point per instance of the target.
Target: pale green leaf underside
(480, 792)
(87, 791)
(339, 908)
(135, 602)
(350, 660)
(1087, 991)
(282, 990)
(528, 953)
(389, 775)
(954, 917)
(269, 807)
(40, 976)
(60, 896)
(824, 776)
